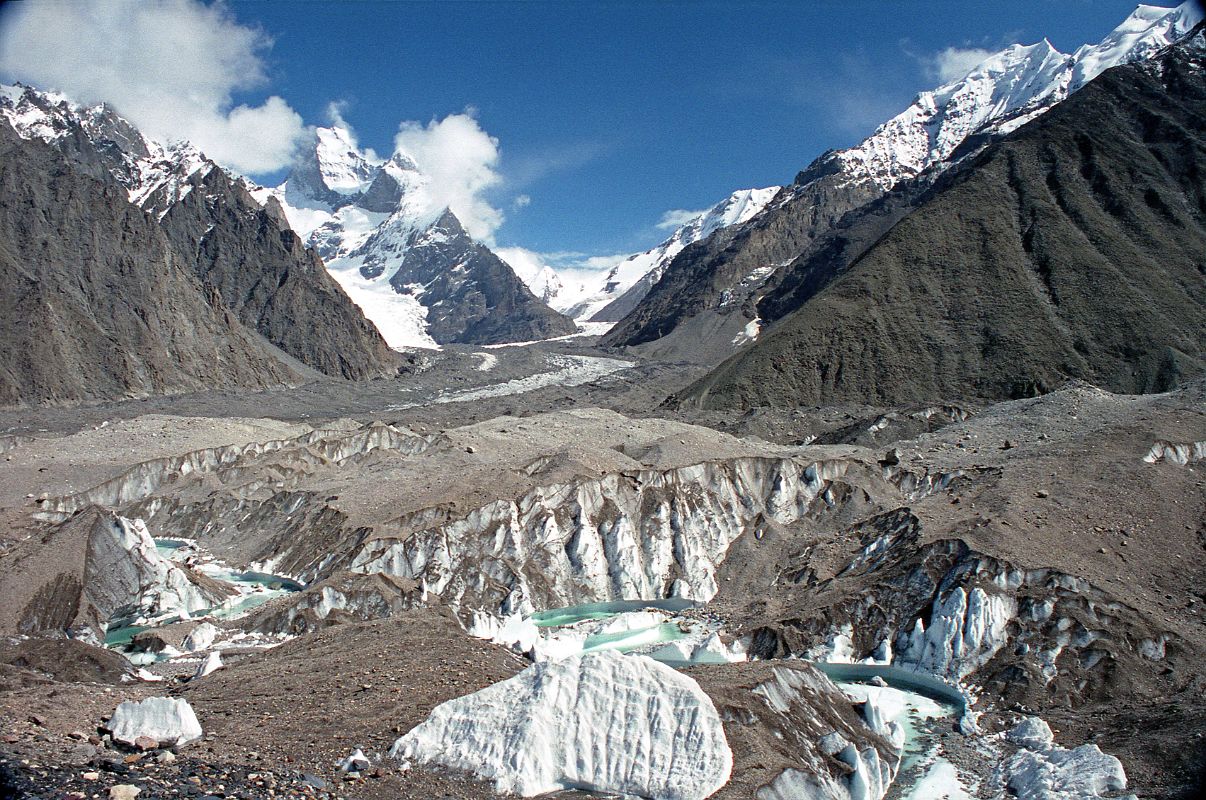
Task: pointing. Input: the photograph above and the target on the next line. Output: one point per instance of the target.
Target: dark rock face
(712, 274)
(472, 296)
(97, 304)
(236, 248)
(273, 283)
(1070, 249)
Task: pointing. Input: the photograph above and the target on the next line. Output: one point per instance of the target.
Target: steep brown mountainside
(97, 304)
(271, 281)
(1071, 249)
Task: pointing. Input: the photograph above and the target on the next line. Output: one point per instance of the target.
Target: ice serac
(105, 568)
(730, 274)
(1043, 770)
(623, 536)
(966, 629)
(170, 721)
(402, 255)
(600, 722)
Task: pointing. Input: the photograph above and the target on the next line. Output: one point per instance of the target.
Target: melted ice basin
(656, 628)
(913, 701)
(253, 589)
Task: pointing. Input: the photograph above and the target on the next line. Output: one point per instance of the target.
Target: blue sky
(609, 114)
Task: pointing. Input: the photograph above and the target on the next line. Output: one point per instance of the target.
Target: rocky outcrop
(1084, 228)
(97, 302)
(471, 295)
(271, 281)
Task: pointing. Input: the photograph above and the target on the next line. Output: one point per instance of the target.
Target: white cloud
(562, 261)
(676, 218)
(521, 201)
(953, 63)
(461, 160)
(170, 66)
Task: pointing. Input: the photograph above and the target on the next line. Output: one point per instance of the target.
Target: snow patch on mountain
(156, 175)
(588, 296)
(601, 722)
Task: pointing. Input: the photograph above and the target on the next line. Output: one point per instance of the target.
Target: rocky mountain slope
(403, 256)
(712, 288)
(601, 297)
(1071, 249)
(98, 304)
(236, 248)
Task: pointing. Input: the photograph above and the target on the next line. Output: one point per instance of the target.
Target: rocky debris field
(1045, 556)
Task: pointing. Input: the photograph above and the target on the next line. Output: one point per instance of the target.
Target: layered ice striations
(624, 536)
(966, 629)
(600, 722)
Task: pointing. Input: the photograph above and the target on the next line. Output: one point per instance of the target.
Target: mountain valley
(886, 484)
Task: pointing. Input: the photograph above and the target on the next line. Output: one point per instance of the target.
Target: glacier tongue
(601, 722)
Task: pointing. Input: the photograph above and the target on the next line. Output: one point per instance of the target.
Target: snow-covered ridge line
(605, 296)
(1003, 92)
(155, 175)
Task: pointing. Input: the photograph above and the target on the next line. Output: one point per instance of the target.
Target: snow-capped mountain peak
(1003, 92)
(155, 174)
(344, 168)
(602, 297)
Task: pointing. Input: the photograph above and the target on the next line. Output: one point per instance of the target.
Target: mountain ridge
(1069, 250)
(726, 278)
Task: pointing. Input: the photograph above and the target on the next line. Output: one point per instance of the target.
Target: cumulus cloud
(953, 63)
(521, 201)
(461, 160)
(171, 66)
(676, 218)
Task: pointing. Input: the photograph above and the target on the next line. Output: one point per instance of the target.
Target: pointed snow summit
(401, 255)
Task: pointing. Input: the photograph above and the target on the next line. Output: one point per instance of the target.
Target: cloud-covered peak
(172, 67)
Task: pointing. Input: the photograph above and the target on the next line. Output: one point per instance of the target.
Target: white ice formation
(966, 629)
(1043, 770)
(629, 536)
(600, 722)
(170, 721)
